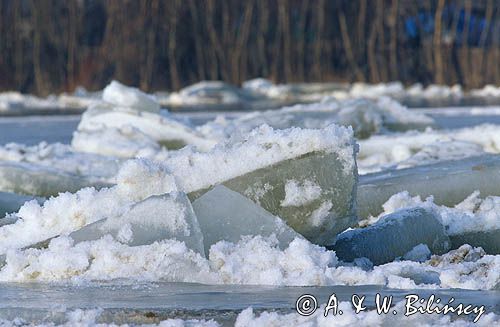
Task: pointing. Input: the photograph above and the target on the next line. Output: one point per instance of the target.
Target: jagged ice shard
(227, 215)
(273, 167)
(36, 223)
(393, 236)
(449, 182)
(159, 217)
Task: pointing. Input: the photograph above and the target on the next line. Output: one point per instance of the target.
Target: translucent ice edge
(260, 148)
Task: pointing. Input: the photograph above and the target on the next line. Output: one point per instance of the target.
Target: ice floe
(68, 212)
(261, 163)
(449, 182)
(412, 148)
(251, 200)
(473, 221)
(393, 236)
(366, 117)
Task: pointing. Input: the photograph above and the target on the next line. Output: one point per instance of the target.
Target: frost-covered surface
(472, 215)
(143, 227)
(262, 147)
(61, 157)
(121, 142)
(93, 318)
(135, 125)
(413, 148)
(120, 95)
(365, 116)
(68, 212)
(256, 93)
(350, 318)
(209, 92)
(298, 194)
(396, 90)
(251, 261)
(15, 103)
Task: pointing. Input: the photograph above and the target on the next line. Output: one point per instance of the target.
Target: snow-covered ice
(120, 95)
(261, 163)
(449, 182)
(210, 92)
(367, 117)
(165, 131)
(393, 236)
(68, 212)
(156, 218)
(252, 198)
(413, 148)
(62, 157)
(473, 221)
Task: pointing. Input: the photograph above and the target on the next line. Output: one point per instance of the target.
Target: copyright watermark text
(307, 305)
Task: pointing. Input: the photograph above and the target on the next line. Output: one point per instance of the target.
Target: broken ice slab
(11, 202)
(126, 96)
(271, 167)
(393, 236)
(227, 215)
(161, 128)
(366, 117)
(450, 182)
(32, 179)
(488, 240)
(318, 220)
(159, 217)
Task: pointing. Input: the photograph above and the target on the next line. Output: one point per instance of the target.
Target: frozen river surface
(147, 303)
(153, 302)
(31, 130)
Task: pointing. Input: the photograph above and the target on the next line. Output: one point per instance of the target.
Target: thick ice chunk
(413, 148)
(473, 221)
(11, 202)
(125, 96)
(124, 142)
(166, 131)
(489, 240)
(226, 215)
(159, 217)
(132, 119)
(262, 164)
(319, 217)
(62, 157)
(68, 212)
(209, 93)
(393, 236)
(32, 179)
(449, 182)
(366, 117)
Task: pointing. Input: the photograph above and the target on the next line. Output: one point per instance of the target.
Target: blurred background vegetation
(55, 45)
